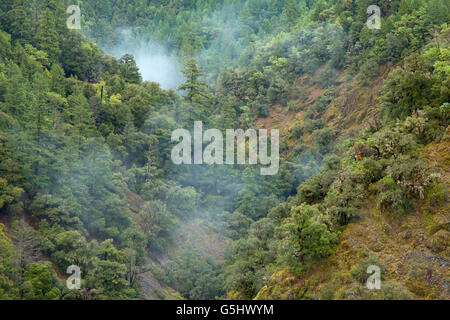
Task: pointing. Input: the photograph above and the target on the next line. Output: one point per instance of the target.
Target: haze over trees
(86, 176)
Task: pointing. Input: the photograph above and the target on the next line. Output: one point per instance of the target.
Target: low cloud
(154, 61)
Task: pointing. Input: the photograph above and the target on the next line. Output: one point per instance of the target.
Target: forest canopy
(86, 176)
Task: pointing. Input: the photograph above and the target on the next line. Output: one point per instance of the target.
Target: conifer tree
(47, 38)
(129, 69)
(290, 13)
(196, 89)
(28, 249)
(18, 20)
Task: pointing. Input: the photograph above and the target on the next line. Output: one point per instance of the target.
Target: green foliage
(182, 201)
(41, 282)
(249, 259)
(436, 194)
(194, 87)
(419, 83)
(157, 224)
(85, 144)
(207, 285)
(359, 272)
(129, 70)
(8, 289)
(304, 237)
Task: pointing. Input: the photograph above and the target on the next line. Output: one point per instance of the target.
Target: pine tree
(58, 79)
(129, 69)
(18, 99)
(246, 18)
(290, 13)
(437, 11)
(27, 249)
(196, 89)
(81, 119)
(19, 20)
(47, 38)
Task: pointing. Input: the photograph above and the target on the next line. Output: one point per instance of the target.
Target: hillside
(406, 247)
(87, 172)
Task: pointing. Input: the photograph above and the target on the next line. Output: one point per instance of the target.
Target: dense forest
(86, 176)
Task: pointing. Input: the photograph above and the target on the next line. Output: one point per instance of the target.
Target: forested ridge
(86, 176)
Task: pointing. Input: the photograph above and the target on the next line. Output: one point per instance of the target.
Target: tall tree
(50, 25)
(196, 89)
(129, 69)
(27, 249)
(290, 13)
(18, 20)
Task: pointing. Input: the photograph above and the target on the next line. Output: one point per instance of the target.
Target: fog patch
(153, 59)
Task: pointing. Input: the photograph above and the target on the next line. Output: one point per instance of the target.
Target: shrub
(436, 194)
(390, 196)
(297, 132)
(359, 272)
(305, 237)
(327, 77)
(311, 125)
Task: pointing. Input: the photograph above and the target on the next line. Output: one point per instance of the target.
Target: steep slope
(411, 247)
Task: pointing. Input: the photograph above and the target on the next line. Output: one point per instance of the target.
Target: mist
(153, 59)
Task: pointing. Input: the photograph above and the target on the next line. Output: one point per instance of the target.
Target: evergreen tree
(290, 13)
(81, 119)
(129, 69)
(18, 19)
(28, 249)
(196, 89)
(48, 38)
